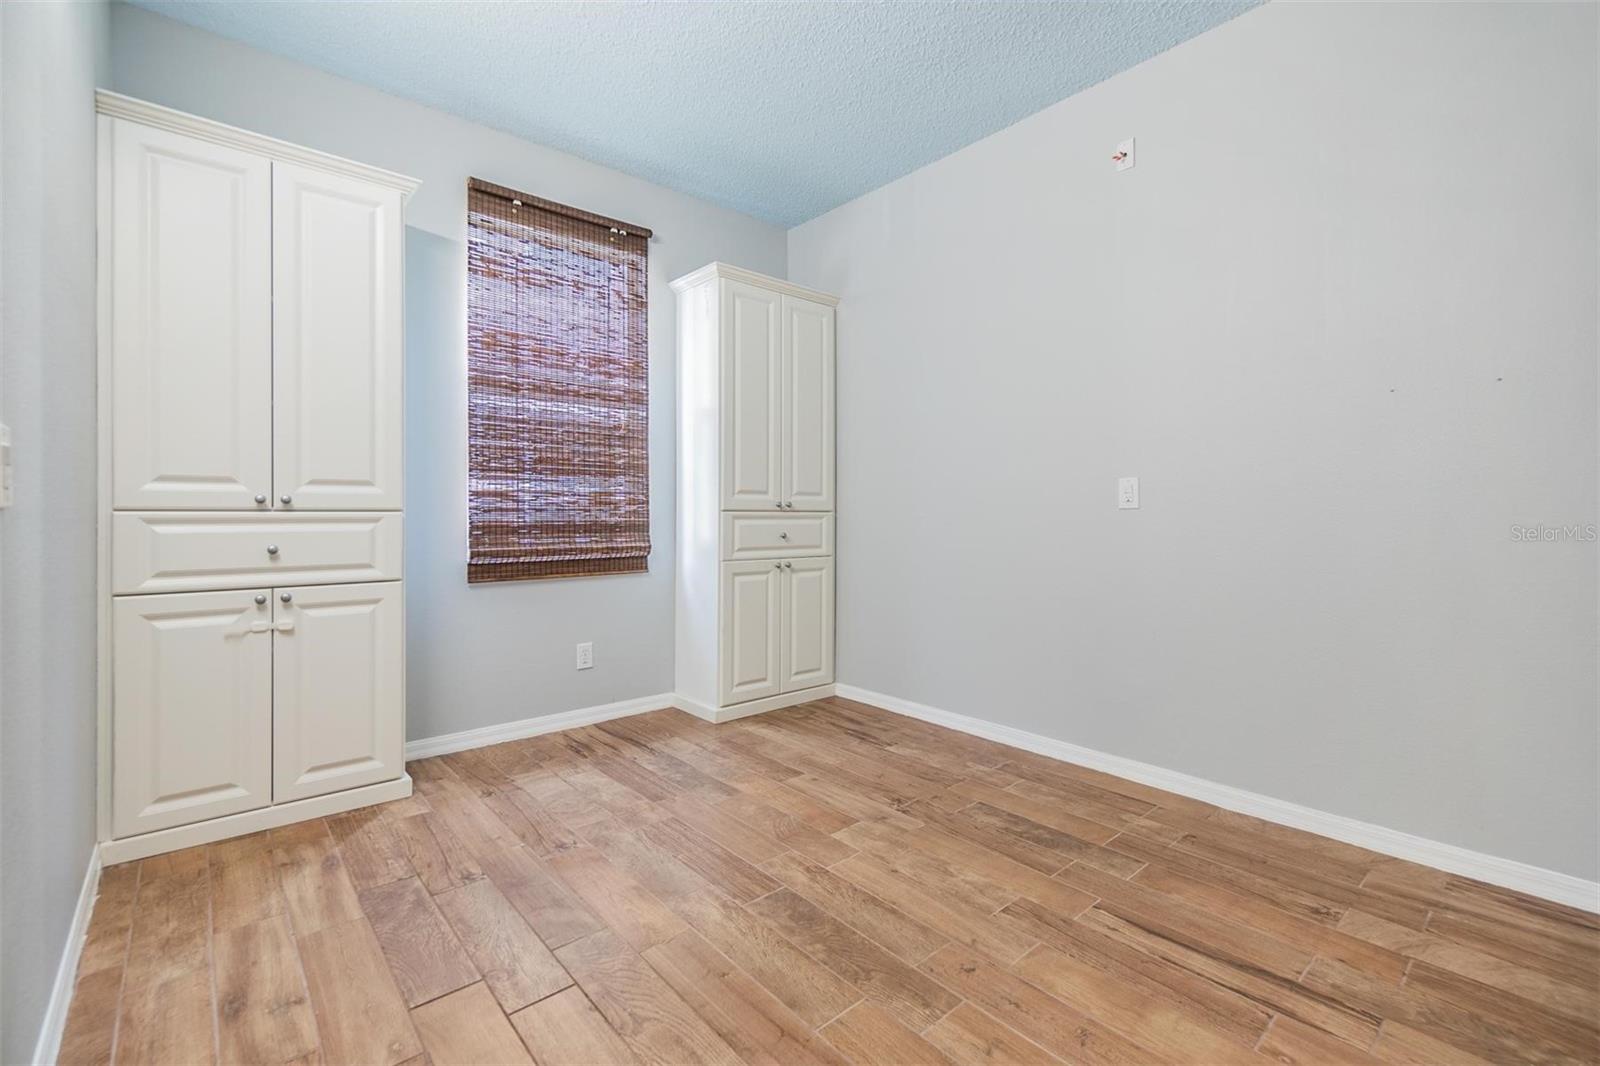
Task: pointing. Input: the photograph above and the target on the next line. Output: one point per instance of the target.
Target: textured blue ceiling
(780, 109)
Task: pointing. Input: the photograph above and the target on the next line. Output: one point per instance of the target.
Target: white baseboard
(532, 727)
(745, 710)
(55, 1011)
(1507, 873)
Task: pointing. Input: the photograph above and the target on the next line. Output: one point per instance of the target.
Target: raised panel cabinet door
(807, 623)
(191, 322)
(751, 622)
(752, 398)
(191, 708)
(807, 405)
(338, 688)
(337, 355)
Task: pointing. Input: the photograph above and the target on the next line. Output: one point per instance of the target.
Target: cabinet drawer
(750, 536)
(178, 551)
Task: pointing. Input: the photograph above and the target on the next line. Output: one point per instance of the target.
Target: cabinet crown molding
(750, 277)
(117, 105)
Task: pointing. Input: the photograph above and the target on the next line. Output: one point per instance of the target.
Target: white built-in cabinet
(755, 589)
(251, 358)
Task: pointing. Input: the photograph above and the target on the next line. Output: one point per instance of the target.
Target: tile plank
(105, 945)
(244, 882)
(373, 855)
(910, 996)
(263, 1008)
(801, 983)
(1152, 1021)
(361, 1015)
(466, 1028)
(1043, 1019)
(1298, 1044)
(640, 1005)
(541, 897)
(710, 860)
(969, 1037)
(438, 859)
(92, 1018)
(516, 965)
(867, 1033)
(978, 929)
(861, 910)
(621, 902)
(566, 1030)
(316, 888)
(753, 1022)
(422, 950)
(168, 1018)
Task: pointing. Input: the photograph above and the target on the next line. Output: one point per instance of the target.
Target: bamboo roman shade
(558, 479)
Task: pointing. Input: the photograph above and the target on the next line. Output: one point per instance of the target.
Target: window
(558, 478)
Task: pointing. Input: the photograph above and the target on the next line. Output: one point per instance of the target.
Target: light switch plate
(586, 656)
(1128, 493)
(5, 465)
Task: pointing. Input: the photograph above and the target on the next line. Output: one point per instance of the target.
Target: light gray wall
(51, 56)
(1340, 320)
(488, 654)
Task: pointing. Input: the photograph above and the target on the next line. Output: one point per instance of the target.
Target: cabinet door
(336, 329)
(807, 623)
(807, 405)
(751, 622)
(191, 320)
(191, 708)
(752, 398)
(338, 688)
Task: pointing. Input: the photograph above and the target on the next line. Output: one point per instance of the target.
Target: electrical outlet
(1128, 493)
(586, 656)
(1123, 156)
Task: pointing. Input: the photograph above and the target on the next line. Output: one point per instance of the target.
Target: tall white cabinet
(755, 580)
(250, 448)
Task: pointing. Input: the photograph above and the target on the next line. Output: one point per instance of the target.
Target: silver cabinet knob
(261, 497)
(788, 566)
(272, 549)
(783, 534)
(286, 498)
(777, 566)
(285, 596)
(788, 506)
(261, 598)
(779, 505)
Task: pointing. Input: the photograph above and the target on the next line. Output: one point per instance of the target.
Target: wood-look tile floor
(822, 884)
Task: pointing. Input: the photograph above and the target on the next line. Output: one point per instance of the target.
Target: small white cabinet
(337, 665)
(755, 581)
(193, 736)
(251, 521)
(777, 635)
(807, 629)
(752, 636)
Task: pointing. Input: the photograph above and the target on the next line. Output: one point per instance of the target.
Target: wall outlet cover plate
(1123, 156)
